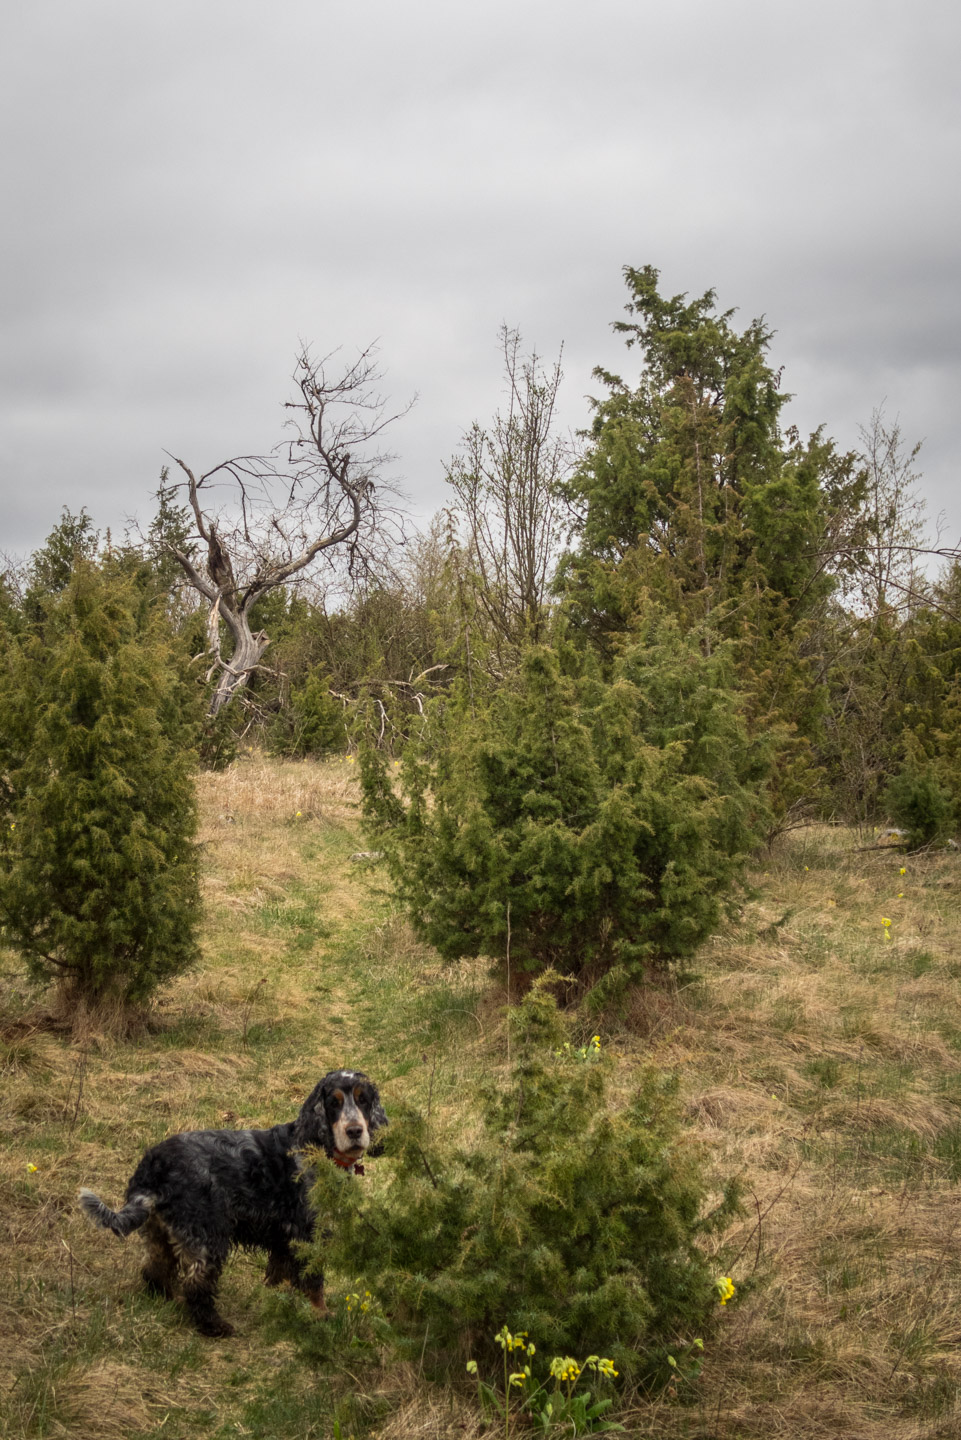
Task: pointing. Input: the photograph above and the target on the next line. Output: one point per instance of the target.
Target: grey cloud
(197, 187)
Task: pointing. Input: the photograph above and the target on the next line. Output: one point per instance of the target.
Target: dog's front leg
(313, 1287)
(283, 1265)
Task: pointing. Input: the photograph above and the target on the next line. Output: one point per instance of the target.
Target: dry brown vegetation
(819, 1060)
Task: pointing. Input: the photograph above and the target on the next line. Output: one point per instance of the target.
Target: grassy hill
(820, 1059)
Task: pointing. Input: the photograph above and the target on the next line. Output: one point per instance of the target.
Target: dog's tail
(121, 1222)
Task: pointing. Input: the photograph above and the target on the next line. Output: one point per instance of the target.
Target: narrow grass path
(306, 968)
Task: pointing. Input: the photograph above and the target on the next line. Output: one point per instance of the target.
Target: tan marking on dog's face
(349, 1123)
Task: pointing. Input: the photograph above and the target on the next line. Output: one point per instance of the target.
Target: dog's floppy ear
(311, 1127)
(378, 1121)
(378, 1115)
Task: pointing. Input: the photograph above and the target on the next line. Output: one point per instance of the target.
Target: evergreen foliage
(695, 504)
(570, 1216)
(590, 825)
(317, 718)
(918, 803)
(930, 716)
(98, 868)
(51, 567)
(688, 478)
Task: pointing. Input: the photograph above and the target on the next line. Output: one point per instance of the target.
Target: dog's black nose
(355, 1132)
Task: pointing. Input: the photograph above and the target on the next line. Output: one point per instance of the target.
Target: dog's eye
(338, 1098)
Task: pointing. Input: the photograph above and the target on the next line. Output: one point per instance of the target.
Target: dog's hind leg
(201, 1278)
(160, 1267)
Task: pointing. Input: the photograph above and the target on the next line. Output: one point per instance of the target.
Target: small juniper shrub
(220, 738)
(919, 803)
(313, 724)
(576, 1219)
(593, 826)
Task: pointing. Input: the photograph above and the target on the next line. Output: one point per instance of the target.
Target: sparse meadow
(818, 1052)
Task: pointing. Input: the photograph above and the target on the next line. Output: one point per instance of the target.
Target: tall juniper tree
(693, 500)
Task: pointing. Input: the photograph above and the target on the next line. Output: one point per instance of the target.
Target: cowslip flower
(31, 1168)
(602, 1366)
(887, 927)
(724, 1286)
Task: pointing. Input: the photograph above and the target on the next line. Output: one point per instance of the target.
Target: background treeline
(606, 671)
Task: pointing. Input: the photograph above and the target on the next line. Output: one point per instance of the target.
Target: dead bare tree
(894, 513)
(262, 520)
(507, 485)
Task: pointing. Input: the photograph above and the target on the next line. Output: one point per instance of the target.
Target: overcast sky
(192, 187)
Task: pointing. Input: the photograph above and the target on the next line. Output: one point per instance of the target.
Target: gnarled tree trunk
(316, 493)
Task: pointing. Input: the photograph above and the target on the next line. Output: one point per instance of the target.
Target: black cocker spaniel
(198, 1194)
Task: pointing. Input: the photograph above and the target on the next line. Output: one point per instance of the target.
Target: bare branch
(265, 519)
(507, 482)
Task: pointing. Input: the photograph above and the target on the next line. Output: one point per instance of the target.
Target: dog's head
(341, 1115)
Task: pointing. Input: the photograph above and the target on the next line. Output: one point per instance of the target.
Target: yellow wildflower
(724, 1286)
(603, 1367)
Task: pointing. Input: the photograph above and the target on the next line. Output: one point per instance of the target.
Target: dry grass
(819, 1061)
(822, 1063)
(258, 792)
(304, 968)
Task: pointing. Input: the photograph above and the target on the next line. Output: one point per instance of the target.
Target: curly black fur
(198, 1194)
